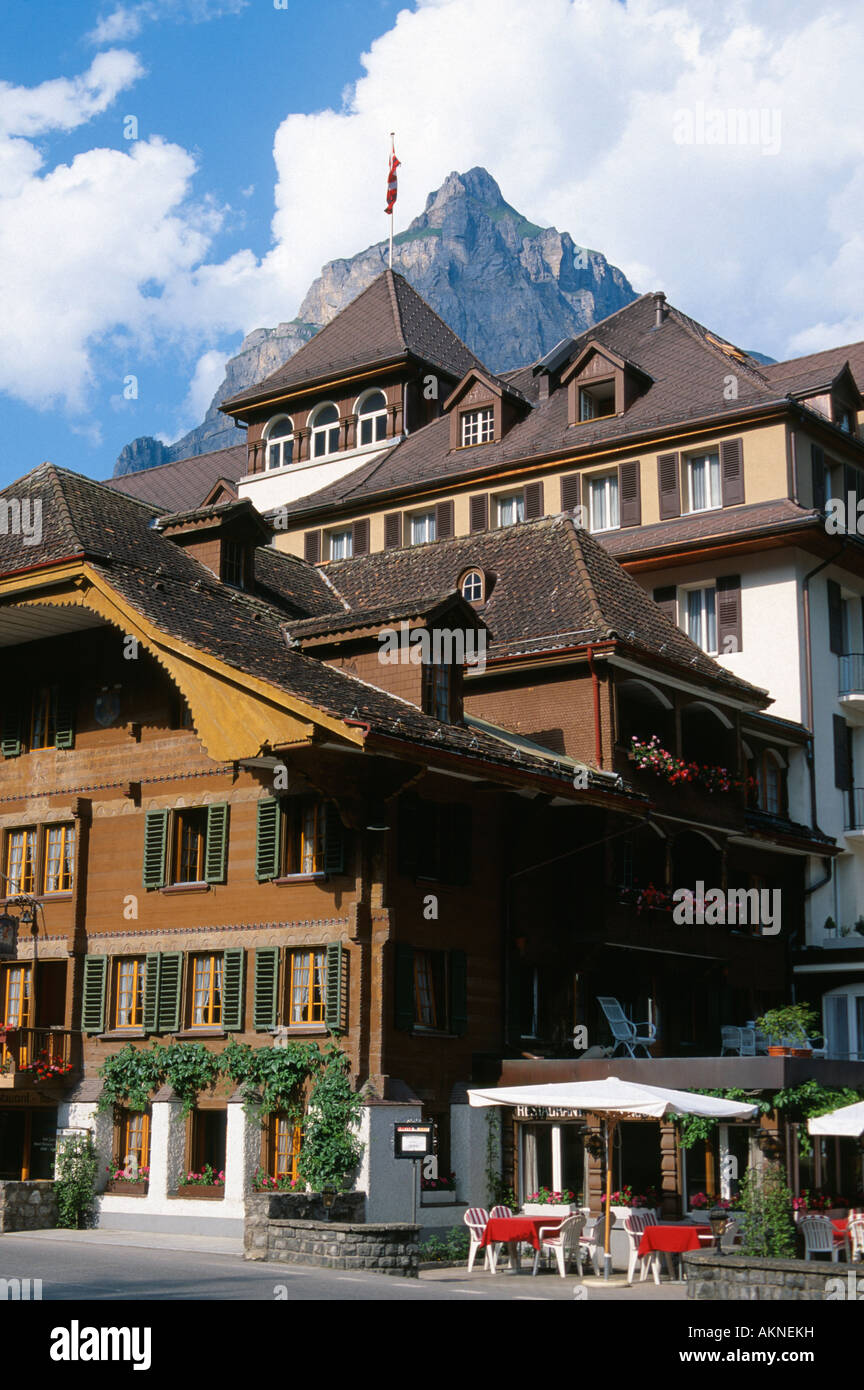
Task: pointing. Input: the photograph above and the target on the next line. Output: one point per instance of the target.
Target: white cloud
(208, 373)
(126, 21)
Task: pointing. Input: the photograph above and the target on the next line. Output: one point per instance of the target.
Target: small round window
(472, 586)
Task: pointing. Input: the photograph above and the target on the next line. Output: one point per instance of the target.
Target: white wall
(278, 486)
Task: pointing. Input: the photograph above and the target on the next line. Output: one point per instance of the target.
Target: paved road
(116, 1266)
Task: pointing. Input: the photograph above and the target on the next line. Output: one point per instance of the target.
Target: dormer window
(438, 691)
(845, 420)
(472, 586)
(597, 401)
(477, 426)
(280, 442)
(325, 431)
(233, 564)
(372, 418)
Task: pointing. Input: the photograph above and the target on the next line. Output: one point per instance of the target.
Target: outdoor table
(841, 1233)
(511, 1230)
(673, 1240)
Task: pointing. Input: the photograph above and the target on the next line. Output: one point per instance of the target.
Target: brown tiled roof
(551, 586)
(179, 486)
(817, 368)
(388, 320)
(752, 520)
(379, 616)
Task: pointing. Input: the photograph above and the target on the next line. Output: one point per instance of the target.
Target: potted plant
(545, 1202)
(790, 1030)
(438, 1192)
(208, 1184)
(127, 1184)
(627, 1203)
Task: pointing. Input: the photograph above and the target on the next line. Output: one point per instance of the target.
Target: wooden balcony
(30, 1056)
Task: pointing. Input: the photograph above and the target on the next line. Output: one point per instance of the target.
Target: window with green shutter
(267, 844)
(431, 990)
(155, 845)
(335, 1007)
(232, 988)
(296, 837)
(65, 730)
(163, 977)
(216, 853)
(266, 986)
(93, 1004)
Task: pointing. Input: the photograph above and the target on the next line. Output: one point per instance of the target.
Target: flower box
(553, 1209)
(440, 1197)
(623, 1212)
(125, 1189)
(201, 1191)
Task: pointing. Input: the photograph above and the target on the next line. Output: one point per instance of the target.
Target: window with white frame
(511, 509)
(597, 401)
(843, 1024)
(699, 617)
(280, 442)
(325, 431)
(472, 587)
(341, 544)
(421, 528)
(703, 482)
(372, 418)
(603, 502)
(477, 426)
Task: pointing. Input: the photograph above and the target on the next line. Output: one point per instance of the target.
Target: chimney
(659, 308)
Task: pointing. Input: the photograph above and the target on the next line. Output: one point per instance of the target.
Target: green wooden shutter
(13, 731)
(334, 841)
(216, 852)
(266, 986)
(267, 842)
(170, 979)
(65, 707)
(334, 996)
(151, 991)
(404, 988)
(93, 1003)
(458, 993)
(155, 843)
(232, 988)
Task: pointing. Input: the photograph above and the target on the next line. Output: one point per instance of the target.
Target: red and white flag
(391, 181)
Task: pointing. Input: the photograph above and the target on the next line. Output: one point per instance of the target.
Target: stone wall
(290, 1227)
(27, 1206)
(740, 1279)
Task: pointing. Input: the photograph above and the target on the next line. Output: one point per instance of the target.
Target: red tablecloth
(674, 1240)
(507, 1228)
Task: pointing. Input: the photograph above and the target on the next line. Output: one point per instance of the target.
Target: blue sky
(261, 152)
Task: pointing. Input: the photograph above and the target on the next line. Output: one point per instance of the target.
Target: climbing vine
(130, 1076)
(75, 1181)
(330, 1149)
(272, 1078)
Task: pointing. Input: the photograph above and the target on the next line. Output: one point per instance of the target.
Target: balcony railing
(37, 1054)
(852, 674)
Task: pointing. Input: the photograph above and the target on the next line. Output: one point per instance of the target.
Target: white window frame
(587, 399)
(378, 419)
(275, 446)
(684, 616)
(709, 462)
(477, 426)
(340, 544)
(316, 431)
(855, 1035)
(421, 521)
(608, 483)
(479, 582)
(518, 500)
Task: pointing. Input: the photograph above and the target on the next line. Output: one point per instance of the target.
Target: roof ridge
(711, 340)
(170, 463)
(595, 611)
(389, 275)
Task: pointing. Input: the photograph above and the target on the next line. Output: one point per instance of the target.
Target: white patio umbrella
(614, 1100)
(848, 1121)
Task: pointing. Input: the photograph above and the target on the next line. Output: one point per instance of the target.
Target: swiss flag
(391, 183)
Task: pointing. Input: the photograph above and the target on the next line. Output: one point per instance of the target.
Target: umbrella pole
(607, 1247)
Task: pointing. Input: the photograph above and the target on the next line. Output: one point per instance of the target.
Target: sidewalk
(140, 1240)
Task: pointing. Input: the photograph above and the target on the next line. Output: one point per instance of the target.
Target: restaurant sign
(547, 1112)
(413, 1140)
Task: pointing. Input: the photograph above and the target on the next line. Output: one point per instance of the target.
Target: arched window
(280, 442)
(372, 418)
(472, 586)
(325, 431)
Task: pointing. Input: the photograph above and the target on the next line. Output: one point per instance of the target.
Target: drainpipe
(595, 686)
(810, 725)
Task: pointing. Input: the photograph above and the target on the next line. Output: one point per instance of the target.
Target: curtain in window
(702, 618)
(704, 482)
(604, 503)
(837, 1025)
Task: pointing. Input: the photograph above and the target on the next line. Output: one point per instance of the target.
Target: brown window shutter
(842, 754)
(571, 492)
(732, 471)
(360, 537)
(729, 614)
(444, 520)
(392, 530)
(817, 457)
(533, 501)
(835, 617)
(666, 600)
(630, 494)
(480, 511)
(312, 546)
(670, 486)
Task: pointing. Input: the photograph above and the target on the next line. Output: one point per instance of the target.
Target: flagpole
(392, 152)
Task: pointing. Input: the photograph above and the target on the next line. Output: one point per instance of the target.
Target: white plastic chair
(635, 1227)
(591, 1242)
(625, 1033)
(476, 1219)
(855, 1233)
(730, 1040)
(818, 1233)
(564, 1242)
